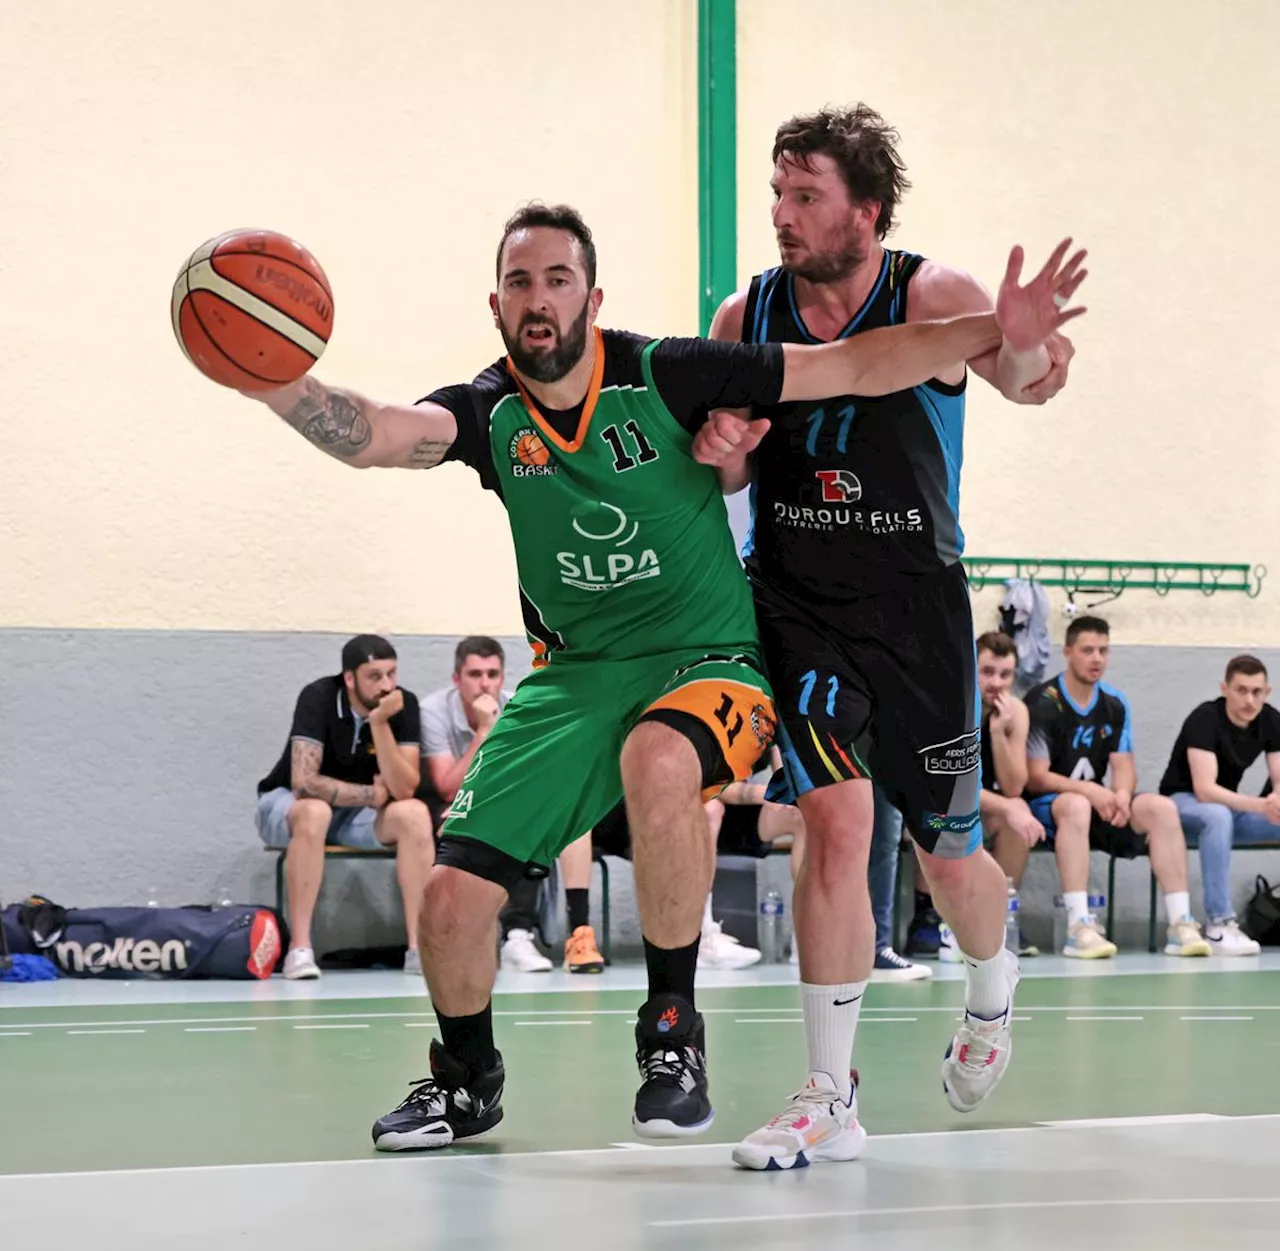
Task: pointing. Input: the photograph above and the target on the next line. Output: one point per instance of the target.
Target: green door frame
(717, 156)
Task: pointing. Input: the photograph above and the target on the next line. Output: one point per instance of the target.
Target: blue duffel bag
(196, 941)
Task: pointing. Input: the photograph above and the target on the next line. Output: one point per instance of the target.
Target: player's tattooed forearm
(427, 453)
(330, 420)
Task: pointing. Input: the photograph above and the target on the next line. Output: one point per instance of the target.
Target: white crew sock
(986, 992)
(707, 922)
(830, 1021)
(1077, 902)
(1177, 903)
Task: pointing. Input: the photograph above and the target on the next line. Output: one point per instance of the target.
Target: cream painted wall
(393, 138)
(1147, 129)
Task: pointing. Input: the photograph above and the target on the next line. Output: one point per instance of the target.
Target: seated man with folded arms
(347, 776)
(1216, 745)
(1010, 829)
(1007, 820)
(456, 721)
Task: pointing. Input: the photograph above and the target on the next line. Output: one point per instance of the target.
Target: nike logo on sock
(840, 1003)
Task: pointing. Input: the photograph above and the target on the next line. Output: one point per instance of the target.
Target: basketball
(530, 450)
(252, 309)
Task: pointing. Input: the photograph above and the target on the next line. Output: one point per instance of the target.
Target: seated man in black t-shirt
(347, 776)
(1217, 743)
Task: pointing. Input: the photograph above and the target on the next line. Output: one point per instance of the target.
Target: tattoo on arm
(309, 783)
(304, 768)
(333, 421)
(427, 453)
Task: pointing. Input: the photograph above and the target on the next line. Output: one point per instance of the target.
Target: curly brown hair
(862, 145)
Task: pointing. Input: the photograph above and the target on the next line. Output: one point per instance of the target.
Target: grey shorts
(350, 827)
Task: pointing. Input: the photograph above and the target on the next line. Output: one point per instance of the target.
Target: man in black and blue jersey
(863, 604)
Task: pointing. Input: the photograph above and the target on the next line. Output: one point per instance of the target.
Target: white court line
(1022, 1206)
(551, 1022)
(106, 1031)
(889, 1020)
(1105, 1018)
(1215, 1018)
(350, 1025)
(768, 1020)
(20, 1033)
(400, 1016)
(219, 1029)
(470, 1158)
(1123, 1122)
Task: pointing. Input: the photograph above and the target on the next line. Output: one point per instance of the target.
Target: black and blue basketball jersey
(1078, 742)
(852, 492)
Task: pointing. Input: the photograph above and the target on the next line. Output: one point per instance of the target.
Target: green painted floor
(231, 1083)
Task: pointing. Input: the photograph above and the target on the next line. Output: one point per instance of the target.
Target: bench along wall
(131, 758)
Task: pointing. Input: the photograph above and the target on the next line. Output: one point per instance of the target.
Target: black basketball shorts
(884, 688)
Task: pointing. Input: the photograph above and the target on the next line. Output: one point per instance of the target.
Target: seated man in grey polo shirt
(347, 776)
(455, 723)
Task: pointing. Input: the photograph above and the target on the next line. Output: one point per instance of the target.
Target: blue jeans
(882, 869)
(1217, 828)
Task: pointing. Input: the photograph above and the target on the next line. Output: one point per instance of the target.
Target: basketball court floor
(1141, 1109)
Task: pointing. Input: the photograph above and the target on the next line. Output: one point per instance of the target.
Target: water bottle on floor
(1098, 909)
(1059, 923)
(1012, 918)
(771, 909)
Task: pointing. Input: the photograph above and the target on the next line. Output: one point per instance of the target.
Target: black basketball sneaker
(449, 1106)
(672, 1101)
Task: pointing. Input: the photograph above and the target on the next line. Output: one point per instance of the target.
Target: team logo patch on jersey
(530, 456)
(958, 755)
(763, 725)
(839, 486)
(939, 821)
(601, 570)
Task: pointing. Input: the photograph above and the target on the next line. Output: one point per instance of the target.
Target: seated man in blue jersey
(1218, 742)
(1080, 728)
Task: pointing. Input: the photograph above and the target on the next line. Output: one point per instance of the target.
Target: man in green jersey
(647, 675)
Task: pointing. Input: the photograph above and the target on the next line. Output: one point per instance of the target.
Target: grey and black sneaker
(447, 1107)
(672, 1101)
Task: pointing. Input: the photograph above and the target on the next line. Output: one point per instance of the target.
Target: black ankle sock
(470, 1038)
(578, 904)
(672, 970)
(924, 901)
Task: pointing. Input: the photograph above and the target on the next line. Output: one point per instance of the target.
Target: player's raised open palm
(1028, 315)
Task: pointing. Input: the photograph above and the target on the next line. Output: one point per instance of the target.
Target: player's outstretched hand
(726, 437)
(1028, 315)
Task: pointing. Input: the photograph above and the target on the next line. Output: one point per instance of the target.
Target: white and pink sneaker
(817, 1125)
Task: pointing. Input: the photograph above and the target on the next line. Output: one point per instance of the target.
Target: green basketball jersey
(622, 540)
